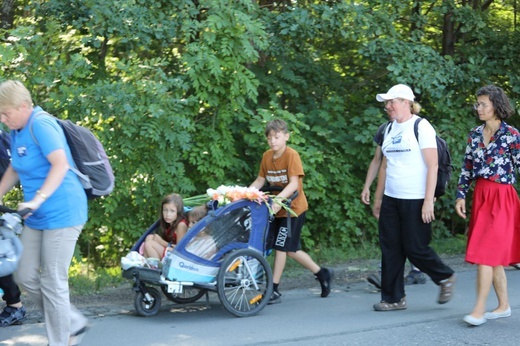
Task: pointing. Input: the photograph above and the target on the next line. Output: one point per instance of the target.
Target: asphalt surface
(346, 317)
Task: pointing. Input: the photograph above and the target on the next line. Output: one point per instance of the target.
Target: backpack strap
(388, 125)
(387, 128)
(30, 125)
(72, 167)
(416, 127)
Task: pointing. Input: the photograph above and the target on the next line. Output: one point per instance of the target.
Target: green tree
(179, 93)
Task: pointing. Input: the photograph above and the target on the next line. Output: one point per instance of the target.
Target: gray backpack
(92, 165)
(10, 246)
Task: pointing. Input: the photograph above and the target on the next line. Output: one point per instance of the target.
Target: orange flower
(227, 194)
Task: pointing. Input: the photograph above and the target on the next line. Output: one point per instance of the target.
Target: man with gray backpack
(13, 312)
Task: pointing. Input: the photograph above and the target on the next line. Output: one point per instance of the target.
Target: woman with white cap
(404, 200)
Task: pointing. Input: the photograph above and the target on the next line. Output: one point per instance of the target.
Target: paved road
(303, 318)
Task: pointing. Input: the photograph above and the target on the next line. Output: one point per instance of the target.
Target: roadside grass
(85, 280)
(455, 245)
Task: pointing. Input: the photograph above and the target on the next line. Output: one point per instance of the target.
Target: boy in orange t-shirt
(281, 166)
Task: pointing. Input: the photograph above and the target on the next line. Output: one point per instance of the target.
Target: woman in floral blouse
(491, 159)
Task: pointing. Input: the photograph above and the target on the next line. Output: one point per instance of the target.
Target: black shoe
(276, 297)
(325, 279)
(375, 280)
(12, 315)
(75, 339)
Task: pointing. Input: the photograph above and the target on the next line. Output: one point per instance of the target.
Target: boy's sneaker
(415, 277)
(276, 297)
(324, 276)
(12, 315)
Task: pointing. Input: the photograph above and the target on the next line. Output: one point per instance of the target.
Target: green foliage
(179, 93)
(84, 280)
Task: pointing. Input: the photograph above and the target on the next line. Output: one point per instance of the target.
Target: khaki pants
(43, 274)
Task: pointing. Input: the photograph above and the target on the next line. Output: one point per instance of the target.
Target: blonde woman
(404, 201)
(41, 162)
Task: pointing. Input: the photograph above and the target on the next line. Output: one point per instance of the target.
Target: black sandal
(12, 315)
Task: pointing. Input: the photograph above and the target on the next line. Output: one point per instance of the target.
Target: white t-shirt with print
(406, 169)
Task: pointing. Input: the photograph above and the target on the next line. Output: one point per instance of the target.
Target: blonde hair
(415, 107)
(13, 94)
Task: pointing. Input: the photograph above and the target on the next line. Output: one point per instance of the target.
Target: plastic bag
(133, 259)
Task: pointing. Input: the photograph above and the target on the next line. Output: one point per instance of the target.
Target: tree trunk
(448, 35)
(7, 14)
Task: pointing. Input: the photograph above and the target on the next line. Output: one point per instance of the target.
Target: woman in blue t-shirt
(40, 162)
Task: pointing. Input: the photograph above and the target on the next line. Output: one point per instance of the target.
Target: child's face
(169, 212)
(192, 222)
(277, 140)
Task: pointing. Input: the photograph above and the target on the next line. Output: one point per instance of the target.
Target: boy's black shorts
(281, 238)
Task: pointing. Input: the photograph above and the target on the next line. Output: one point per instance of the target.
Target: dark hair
(276, 125)
(499, 99)
(179, 204)
(197, 213)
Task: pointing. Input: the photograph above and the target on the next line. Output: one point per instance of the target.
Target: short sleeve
(426, 135)
(46, 133)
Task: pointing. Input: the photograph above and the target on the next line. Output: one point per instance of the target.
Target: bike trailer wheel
(148, 304)
(189, 294)
(244, 282)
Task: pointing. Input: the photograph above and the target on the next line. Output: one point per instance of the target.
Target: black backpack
(443, 154)
(445, 166)
(92, 165)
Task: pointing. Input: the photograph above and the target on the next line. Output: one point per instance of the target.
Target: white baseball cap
(400, 91)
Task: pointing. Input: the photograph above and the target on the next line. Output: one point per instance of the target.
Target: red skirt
(494, 227)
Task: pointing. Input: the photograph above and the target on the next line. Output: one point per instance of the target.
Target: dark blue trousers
(11, 291)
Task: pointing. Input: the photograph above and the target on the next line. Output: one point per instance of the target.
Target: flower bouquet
(195, 201)
(228, 194)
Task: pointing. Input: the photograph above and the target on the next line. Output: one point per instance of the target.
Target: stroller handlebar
(21, 213)
(280, 188)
